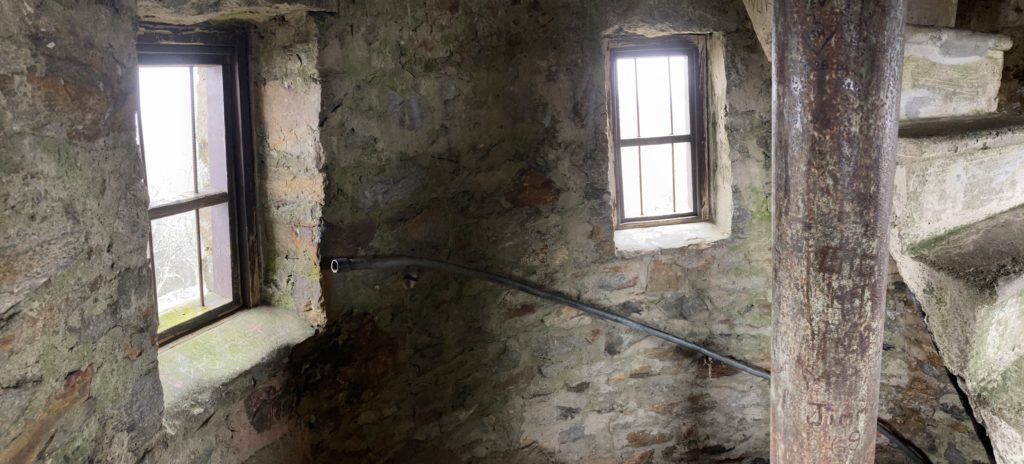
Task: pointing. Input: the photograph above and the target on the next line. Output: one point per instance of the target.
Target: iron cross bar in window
(656, 140)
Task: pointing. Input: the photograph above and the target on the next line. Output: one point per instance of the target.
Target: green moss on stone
(181, 314)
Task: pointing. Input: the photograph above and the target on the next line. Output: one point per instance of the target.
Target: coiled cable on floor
(400, 262)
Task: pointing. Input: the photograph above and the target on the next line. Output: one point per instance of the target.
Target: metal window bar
(195, 180)
(193, 203)
(672, 130)
(641, 141)
(639, 150)
(200, 200)
(145, 182)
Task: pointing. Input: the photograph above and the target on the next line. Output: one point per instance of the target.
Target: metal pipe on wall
(913, 453)
(836, 77)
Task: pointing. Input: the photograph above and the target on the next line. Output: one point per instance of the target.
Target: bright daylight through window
(657, 129)
(182, 121)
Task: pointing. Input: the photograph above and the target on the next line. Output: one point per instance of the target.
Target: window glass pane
(678, 67)
(215, 236)
(684, 178)
(209, 116)
(630, 181)
(654, 101)
(626, 80)
(166, 106)
(175, 263)
(656, 169)
(657, 177)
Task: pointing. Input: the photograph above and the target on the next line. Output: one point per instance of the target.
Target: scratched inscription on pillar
(840, 5)
(822, 18)
(841, 416)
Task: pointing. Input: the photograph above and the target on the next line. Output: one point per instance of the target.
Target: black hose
(392, 262)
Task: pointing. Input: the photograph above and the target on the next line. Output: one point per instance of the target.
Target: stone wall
(940, 13)
(469, 131)
(476, 132)
(286, 100)
(77, 316)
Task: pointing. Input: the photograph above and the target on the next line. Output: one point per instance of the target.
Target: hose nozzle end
(341, 264)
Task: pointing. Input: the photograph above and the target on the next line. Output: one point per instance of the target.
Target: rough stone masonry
(77, 321)
(477, 133)
(471, 131)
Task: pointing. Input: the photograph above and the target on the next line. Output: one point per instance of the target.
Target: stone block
(1000, 404)
(998, 344)
(950, 72)
(253, 342)
(200, 11)
(951, 173)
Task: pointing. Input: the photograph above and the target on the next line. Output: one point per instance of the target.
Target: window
(657, 120)
(194, 137)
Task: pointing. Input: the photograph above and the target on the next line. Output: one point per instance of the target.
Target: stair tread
(982, 252)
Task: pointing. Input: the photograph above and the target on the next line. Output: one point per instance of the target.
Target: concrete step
(950, 72)
(980, 253)
(956, 177)
(958, 241)
(995, 374)
(999, 327)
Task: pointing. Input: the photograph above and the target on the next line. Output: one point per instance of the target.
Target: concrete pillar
(836, 79)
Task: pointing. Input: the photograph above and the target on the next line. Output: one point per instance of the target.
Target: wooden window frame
(228, 47)
(694, 46)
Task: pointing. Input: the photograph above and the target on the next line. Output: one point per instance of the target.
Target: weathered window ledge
(197, 371)
(667, 237)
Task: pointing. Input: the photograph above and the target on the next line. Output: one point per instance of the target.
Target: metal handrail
(398, 262)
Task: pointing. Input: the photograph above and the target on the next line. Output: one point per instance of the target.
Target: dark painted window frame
(228, 47)
(694, 46)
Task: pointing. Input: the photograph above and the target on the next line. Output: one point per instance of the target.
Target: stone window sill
(668, 237)
(196, 371)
